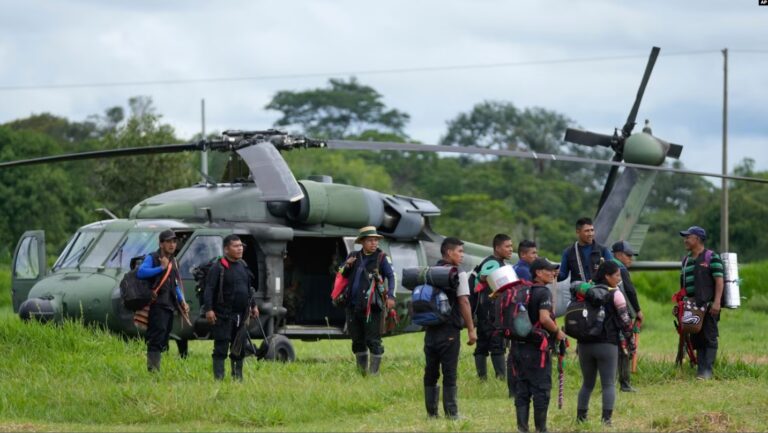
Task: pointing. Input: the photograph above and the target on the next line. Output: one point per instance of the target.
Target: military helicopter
(293, 230)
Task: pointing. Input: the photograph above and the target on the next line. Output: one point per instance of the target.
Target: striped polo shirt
(715, 269)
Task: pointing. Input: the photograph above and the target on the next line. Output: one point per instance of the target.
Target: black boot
(431, 398)
(607, 414)
(499, 365)
(706, 361)
(218, 369)
(450, 406)
(237, 370)
(522, 413)
(540, 418)
(481, 366)
(362, 362)
(153, 361)
(375, 364)
(581, 415)
(624, 374)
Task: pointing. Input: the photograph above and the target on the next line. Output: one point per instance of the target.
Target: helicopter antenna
(108, 212)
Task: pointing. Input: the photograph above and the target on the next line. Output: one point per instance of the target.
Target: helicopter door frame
(30, 253)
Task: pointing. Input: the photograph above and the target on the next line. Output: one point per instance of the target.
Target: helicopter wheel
(277, 348)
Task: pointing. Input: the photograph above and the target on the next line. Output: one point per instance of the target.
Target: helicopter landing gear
(277, 347)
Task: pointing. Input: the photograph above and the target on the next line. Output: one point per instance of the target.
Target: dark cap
(167, 235)
(542, 263)
(623, 247)
(695, 230)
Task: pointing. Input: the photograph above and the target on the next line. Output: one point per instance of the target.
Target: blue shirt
(146, 271)
(357, 279)
(523, 270)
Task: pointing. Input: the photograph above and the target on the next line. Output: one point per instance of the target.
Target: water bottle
(597, 328)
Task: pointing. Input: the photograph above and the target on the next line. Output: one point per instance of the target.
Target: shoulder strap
(578, 260)
(708, 256)
(165, 277)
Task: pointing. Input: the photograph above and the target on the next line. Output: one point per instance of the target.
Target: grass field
(72, 378)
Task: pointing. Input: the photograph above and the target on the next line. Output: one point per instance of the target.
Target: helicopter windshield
(74, 251)
(101, 249)
(134, 245)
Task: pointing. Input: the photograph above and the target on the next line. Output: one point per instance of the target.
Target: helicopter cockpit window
(100, 251)
(134, 245)
(201, 250)
(404, 255)
(27, 265)
(73, 252)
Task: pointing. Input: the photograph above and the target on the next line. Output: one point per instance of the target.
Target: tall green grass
(76, 378)
(5, 286)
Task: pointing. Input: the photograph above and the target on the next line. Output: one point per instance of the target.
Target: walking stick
(561, 372)
(637, 347)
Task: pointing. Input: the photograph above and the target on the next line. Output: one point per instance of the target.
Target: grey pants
(594, 358)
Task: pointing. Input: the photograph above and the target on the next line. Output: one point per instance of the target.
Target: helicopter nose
(41, 309)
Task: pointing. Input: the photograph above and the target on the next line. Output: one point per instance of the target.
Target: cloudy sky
(431, 59)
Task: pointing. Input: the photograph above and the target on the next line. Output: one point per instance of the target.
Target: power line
(12, 88)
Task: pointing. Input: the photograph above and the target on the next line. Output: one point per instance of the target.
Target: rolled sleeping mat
(438, 276)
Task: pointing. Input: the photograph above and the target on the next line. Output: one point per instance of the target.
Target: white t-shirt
(463, 289)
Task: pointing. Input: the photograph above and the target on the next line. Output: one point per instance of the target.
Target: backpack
(200, 274)
(430, 305)
(512, 312)
(135, 292)
(585, 315)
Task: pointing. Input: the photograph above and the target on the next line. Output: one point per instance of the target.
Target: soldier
(624, 255)
(531, 366)
(161, 268)
(442, 342)
(366, 270)
(702, 277)
(489, 340)
(582, 266)
(227, 301)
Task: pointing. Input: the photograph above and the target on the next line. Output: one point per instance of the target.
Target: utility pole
(724, 205)
(204, 154)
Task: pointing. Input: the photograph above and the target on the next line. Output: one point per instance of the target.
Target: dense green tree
(344, 108)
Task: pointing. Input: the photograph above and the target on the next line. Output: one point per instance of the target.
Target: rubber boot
(540, 419)
(481, 366)
(153, 361)
(375, 364)
(522, 413)
(431, 398)
(362, 362)
(499, 366)
(450, 405)
(581, 415)
(607, 414)
(218, 369)
(706, 361)
(237, 370)
(624, 374)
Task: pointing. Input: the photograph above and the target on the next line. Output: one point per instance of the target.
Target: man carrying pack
(161, 267)
(442, 342)
(527, 252)
(702, 278)
(366, 270)
(531, 363)
(581, 265)
(624, 255)
(227, 301)
(489, 340)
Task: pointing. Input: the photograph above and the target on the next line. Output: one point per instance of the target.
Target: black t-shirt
(541, 299)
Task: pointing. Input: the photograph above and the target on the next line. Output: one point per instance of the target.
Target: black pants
(530, 381)
(489, 340)
(707, 337)
(365, 332)
(223, 333)
(158, 328)
(441, 348)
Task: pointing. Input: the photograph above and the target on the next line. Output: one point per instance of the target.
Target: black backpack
(200, 274)
(585, 315)
(512, 312)
(135, 292)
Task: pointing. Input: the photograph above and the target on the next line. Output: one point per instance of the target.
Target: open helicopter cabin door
(29, 265)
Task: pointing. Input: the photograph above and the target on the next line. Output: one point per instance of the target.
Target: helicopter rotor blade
(610, 181)
(414, 147)
(587, 138)
(271, 173)
(111, 153)
(627, 129)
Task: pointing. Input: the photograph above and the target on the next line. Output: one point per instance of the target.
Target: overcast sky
(549, 54)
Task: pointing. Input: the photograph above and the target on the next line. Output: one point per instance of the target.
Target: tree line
(538, 200)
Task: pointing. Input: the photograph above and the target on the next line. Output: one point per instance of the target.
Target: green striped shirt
(715, 269)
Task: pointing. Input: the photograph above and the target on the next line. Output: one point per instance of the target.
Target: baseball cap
(542, 263)
(623, 247)
(695, 230)
(167, 235)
